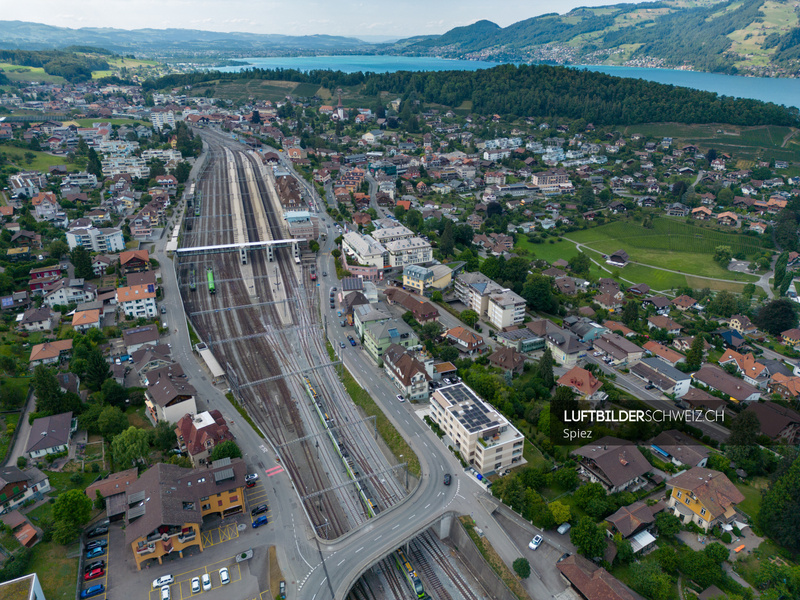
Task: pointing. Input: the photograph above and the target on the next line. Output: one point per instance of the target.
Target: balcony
(146, 549)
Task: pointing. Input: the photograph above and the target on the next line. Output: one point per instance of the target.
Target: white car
(165, 595)
(535, 542)
(162, 581)
(195, 585)
(206, 582)
(598, 353)
(223, 576)
(399, 397)
(251, 477)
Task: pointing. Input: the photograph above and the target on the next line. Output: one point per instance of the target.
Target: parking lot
(98, 556)
(182, 586)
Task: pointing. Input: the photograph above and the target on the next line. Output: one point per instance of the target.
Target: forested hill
(708, 35)
(532, 91)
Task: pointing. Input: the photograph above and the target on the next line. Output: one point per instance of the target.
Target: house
(787, 386)
(609, 302)
(633, 518)
(619, 349)
(791, 337)
(18, 487)
(593, 582)
(45, 205)
(662, 322)
(640, 289)
(406, 372)
(564, 345)
(507, 359)
(100, 264)
(134, 261)
(680, 449)
(660, 303)
(165, 507)
(620, 258)
(40, 319)
(69, 291)
(728, 218)
(168, 395)
(619, 328)
(676, 209)
(753, 372)
(86, 319)
(583, 327)
(584, 384)
(742, 325)
(199, 434)
(777, 422)
(736, 389)
(379, 336)
(465, 340)
(665, 377)
(697, 398)
(668, 355)
(136, 337)
(137, 301)
(614, 463)
(49, 352)
(422, 310)
(22, 530)
(703, 213)
(50, 435)
(703, 496)
(113, 489)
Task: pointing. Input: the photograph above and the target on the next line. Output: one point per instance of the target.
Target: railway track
(433, 585)
(427, 542)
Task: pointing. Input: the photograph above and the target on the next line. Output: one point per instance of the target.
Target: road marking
(427, 505)
(341, 563)
(275, 471)
(412, 516)
(395, 527)
(377, 538)
(277, 468)
(426, 445)
(360, 549)
(441, 467)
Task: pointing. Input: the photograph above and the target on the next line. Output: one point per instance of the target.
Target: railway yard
(262, 319)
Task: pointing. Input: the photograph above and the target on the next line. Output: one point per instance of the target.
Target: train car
(212, 289)
(313, 275)
(410, 574)
(189, 224)
(197, 204)
(192, 280)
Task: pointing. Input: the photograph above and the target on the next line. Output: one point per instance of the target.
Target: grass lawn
(129, 122)
(137, 418)
(752, 496)
(532, 455)
(57, 568)
(5, 435)
(749, 565)
(21, 73)
(41, 161)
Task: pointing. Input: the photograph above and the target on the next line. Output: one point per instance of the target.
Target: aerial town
(323, 346)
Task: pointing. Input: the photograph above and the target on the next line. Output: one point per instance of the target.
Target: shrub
(522, 568)
(726, 537)
(22, 462)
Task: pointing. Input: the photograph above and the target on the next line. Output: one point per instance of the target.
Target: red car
(94, 574)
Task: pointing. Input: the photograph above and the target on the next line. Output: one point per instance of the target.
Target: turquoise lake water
(780, 91)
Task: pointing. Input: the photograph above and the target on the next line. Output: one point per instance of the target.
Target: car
(250, 484)
(324, 273)
(334, 288)
(93, 574)
(352, 342)
(342, 345)
(163, 310)
(535, 542)
(96, 544)
(563, 556)
(282, 588)
(206, 579)
(163, 580)
(251, 477)
(447, 478)
(95, 552)
(195, 585)
(399, 397)
(99, 530)
(339, 313)
(262, 520)
(564, 528)
(165, 595)
(649, 386)
(98, 564)
(224, 578)
(261, 508)
(93, 591)
(598, 353)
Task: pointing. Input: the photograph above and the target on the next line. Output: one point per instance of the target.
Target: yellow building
(704, 496)
(165, 507)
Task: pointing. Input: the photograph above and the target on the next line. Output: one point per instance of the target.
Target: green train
(198, 202)
(410, 574)
(192, 280)
(210, 276)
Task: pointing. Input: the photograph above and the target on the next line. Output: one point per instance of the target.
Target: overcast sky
(397, 18)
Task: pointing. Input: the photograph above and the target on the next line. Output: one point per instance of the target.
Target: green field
(242, 90)
(129, 122)
(306, 89)
(19, 73)
(41, 161)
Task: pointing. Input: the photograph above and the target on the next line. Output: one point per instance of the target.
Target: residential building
(18, 487)
(39, 319)
(50, 352)
(367, 314)
(379, 336)
(409, 251)
(417, 278)
(465, 340)
(620, 350)
(785, 385)
(384, 235)
(507, 359)
(791, 337)
(199, 434)
(21, 528)
(586, 329)
(86, 319)
(584, 384)
(593, 582)
(703, 496)
(137, 337)
(69, 291)
(484, 438)
(753, 372)
(365, 250)
(422, 310)
(168, 395)
(134, 261)
(619, 258)
(662, 322)
(166, 506)
(777, 422)
(505, 308)
(633, 518)
(662, 375)
(614, 463)
(406, 372)
(668, 355)
(521, 339)
(50, 435)
(27, 587)
(684, 302)
(106, 240)
(137, 301)
(736, 389)
(45, 206)
(742, 325)
(680, 449)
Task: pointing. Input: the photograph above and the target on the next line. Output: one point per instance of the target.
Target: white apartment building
(162, 155)
(82, 179)
(125, 165)
(365, 250)
(505, 309)
(159, 119)
(390, 234)
(70, 291)
(106, 240)
(410, 251)
(137, 300)
(483, 436)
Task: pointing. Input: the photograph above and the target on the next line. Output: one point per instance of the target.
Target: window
(206, 506)
(688, 500)
(703, 511)
(679, 494)
(219, 502)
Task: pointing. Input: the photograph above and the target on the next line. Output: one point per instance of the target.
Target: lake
(779, 91)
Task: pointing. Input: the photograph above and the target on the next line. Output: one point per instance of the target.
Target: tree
(437, 296)
(624, 550)
(469, 316)
(57, 249)
(522, 567)
(71, 510)
(694, 357)
(93, 164)
(83, 262)
(447, 241)
(538, 293)
(580, 264)
(164, 437)
(129, 446)
(724, 304)
(779, 515)
(448, 353)
(111, 422)
(97, 370)
(113, 393)
(776, 316)
(313, 245)
(99, 501)
(723, 255)
(667, 523)
(648, 579)
(563, 401)
(47, 390)
(182, 171)
(630, 313)
(588, 538)
(544, 369)
(226, 449)
(561, 512)
(255, 117)
(716, 552)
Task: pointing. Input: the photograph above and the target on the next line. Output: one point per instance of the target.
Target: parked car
(564, 528)
(261, 508)
(95, 552)
(162, 581)
(195, 585)
(163, 310)
(352, 341)
(649, 386)
(324, 273)
(99, 530)
(342, 345)
(93, 591)
(206, 580)
(93, 574)
(251, 477)
(399, 397)
(535, 542)
(165, 595)
(223, 576)
(563, 556)
(598, 353)
(262, 520)
(98, 564)
(96, 544)
(447, 478)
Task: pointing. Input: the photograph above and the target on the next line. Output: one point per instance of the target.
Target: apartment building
(391, 234)
(704, 496)
(505, 309)
(107, 240)
(409, 251)
(365, 250)
(500, 306)
(483, 436)
(137, 300)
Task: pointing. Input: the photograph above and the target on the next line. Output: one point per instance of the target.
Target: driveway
(23, 433)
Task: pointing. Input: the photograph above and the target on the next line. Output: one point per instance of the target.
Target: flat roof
(212, 363)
